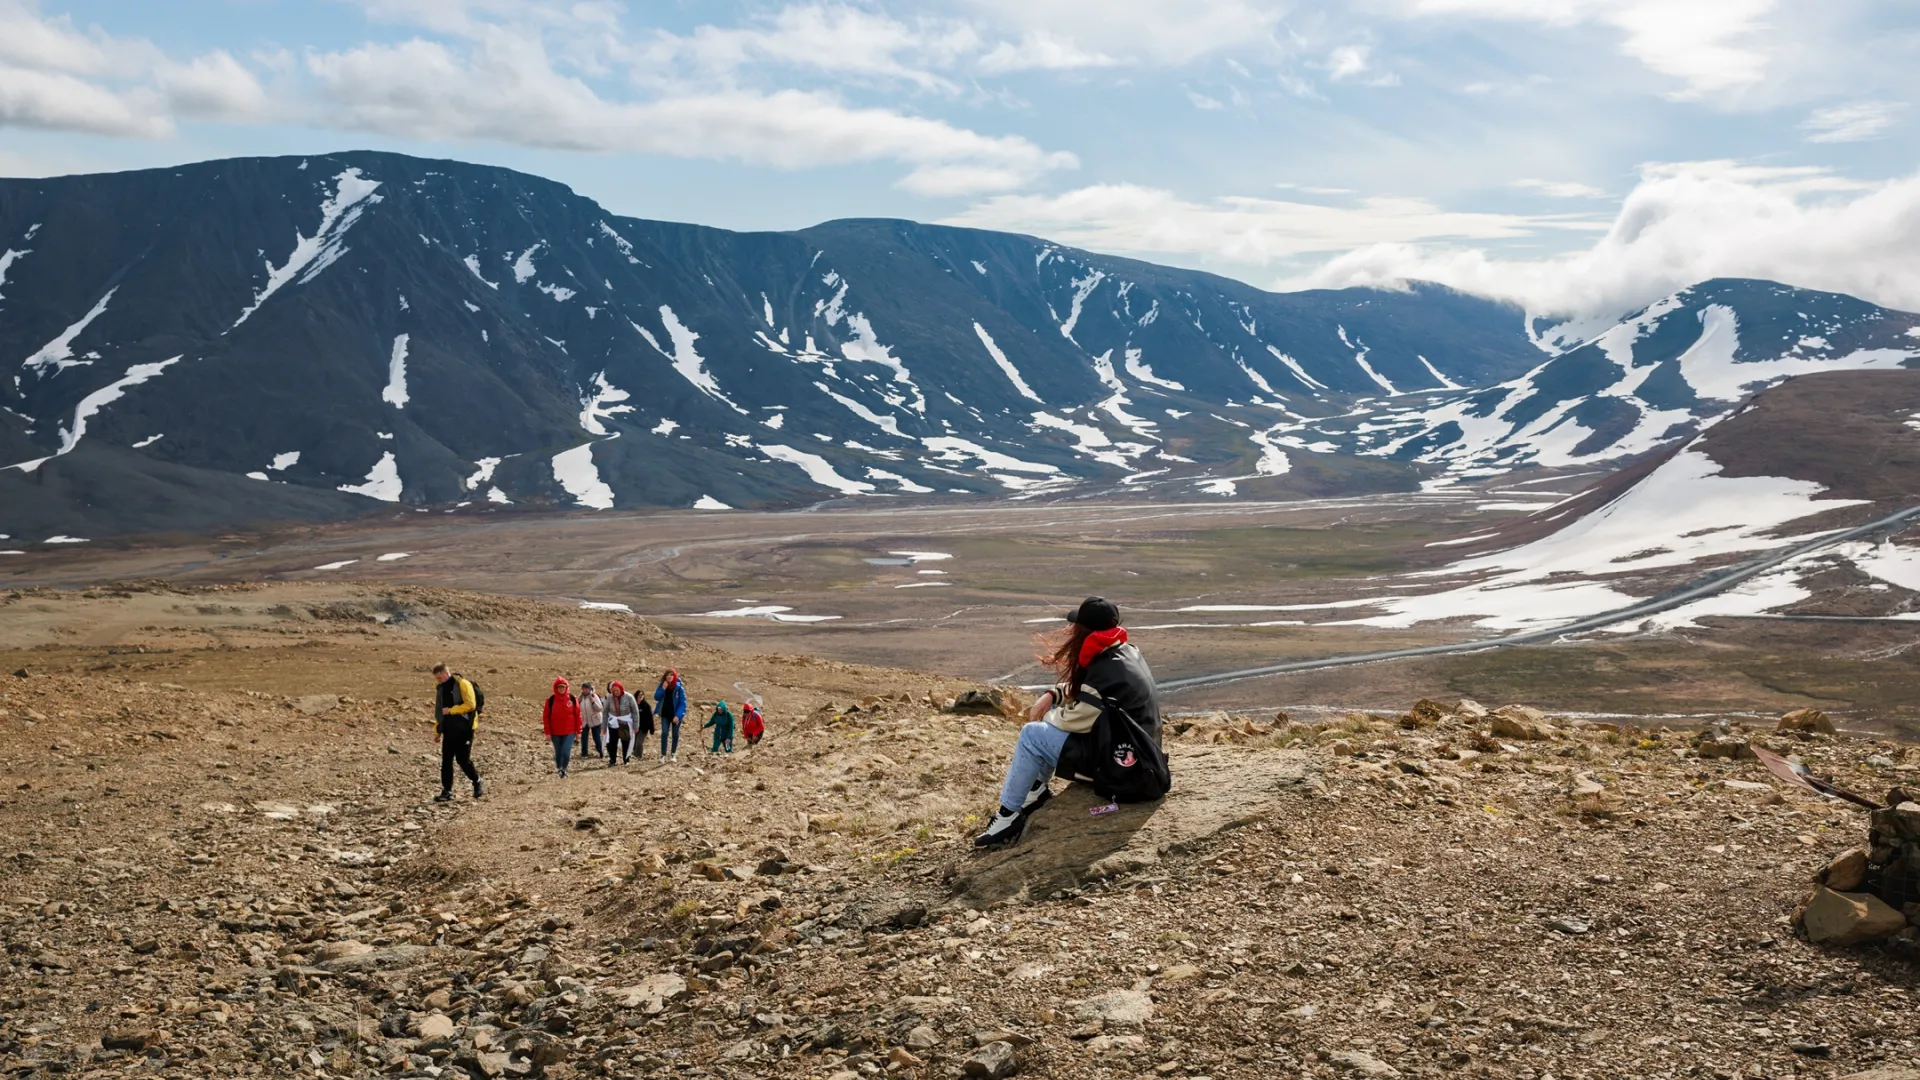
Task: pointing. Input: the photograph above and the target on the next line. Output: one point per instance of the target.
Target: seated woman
(1094, 661)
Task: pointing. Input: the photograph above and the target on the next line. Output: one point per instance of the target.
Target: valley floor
(223, 861)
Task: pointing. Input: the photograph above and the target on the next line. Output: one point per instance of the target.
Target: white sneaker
(1037, 797)
(1005, 828)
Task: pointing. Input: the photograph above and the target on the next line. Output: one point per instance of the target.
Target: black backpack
(1127, 766)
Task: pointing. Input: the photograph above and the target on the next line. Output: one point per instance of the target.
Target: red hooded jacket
(561, 716)
(751, 724)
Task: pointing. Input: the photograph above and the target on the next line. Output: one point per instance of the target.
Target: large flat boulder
(1215, 788)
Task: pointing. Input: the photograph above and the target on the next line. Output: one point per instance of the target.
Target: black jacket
(1120, 678)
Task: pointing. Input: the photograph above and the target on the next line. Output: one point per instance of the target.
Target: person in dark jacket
(1094, 661)
(670, 707)
(456, 713)
(722, 724)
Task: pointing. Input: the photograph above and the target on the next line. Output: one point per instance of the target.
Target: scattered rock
(1846, 872)
(434, 1026)
(1129, 1008)
(994, 1060)
(1520, 722)
(1837, 918)
(1359, 1061)
(1805, 721)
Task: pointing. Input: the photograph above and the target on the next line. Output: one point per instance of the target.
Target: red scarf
(1100, 641)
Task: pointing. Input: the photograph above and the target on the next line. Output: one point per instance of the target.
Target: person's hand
(1041, 704)
(436, 738)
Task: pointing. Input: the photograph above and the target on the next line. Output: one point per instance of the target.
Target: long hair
(1060, 653)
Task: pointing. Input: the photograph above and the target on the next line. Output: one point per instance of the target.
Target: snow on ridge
(91, 405)
(1082, 288)
(283, 462)
(576, 473)
(148, 441)
(685, 358)
(665, 426)
(1445, 383)
(621, 242)
(866, 347)
(903, 483)
(395, 393)
(482, 473)
(817, 469)
(58, 353)
(1256, 378)
(7, 259)
(1360, 357)
(708, 502)
(472, 263)
(352, 194)
(1683, 511)
(1298, 372)
(1144, 372)
(523, 267)
(601, 404)
(1090, 441)
(383, 480)
(885, 423)
(1006, 365)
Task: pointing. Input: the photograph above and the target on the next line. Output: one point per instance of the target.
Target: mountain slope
(1661, 374)
(373, 327)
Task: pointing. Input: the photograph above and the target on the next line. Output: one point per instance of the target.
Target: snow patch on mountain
(91, 405)
(382, 482)
(1299, 372)
(601, 403)
(395, 393)
(1684, 511)
(1082, 288)
(685, 358)
(1144, 371)
(817, 469)
(1005, 365)
(352, 194)
(579, 477)
(58, 353)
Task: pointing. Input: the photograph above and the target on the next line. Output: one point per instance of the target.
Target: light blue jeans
(1034, 756)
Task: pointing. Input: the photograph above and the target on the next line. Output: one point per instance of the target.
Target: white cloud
(1165, 32)
(1709, 45)
(831, 38)
(1560, 189)
(1347, 61)
(504, 88)
(1149, 222)
(1682, 224)
(56, 77)
(1855, 122)
(1038, 50)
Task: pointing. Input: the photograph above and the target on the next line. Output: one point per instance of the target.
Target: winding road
(1714, 583)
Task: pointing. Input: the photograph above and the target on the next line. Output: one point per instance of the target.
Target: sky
(1580, 157)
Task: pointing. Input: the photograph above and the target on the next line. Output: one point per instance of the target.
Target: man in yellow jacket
(455, 714)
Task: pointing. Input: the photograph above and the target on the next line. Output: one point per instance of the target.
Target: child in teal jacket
(722, 724)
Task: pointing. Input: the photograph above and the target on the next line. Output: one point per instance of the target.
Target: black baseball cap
(1095, 613)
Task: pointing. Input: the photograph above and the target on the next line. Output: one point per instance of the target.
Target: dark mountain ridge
(271, 338)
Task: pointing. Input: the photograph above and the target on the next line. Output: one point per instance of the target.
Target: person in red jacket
(752, 724)
(561, 720)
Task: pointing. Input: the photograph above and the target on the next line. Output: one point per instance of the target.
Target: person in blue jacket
(670, 707)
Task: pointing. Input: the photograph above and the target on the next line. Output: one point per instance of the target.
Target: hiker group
(1099, 725)
(620, 723)
(615, 726)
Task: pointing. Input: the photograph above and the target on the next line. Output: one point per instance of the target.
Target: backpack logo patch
(1123, 756)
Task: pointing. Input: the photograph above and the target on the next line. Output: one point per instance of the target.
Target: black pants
(619, 743)
(456, 745)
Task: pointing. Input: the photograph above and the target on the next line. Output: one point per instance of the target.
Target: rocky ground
(220, 859)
